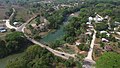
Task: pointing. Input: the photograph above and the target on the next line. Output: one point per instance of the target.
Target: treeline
(37, 57)
(57, 17)
(13, 43)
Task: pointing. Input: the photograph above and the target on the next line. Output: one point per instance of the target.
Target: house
(101, 32)
(98, 18)
(105, 40)
(90, 19)
(16, 23)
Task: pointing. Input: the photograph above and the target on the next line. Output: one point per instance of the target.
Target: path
(88, 61)
(21, 29)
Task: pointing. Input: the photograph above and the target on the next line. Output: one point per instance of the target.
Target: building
(101, 32)
(17, 24)
(90, 19)
(105, 40)
(77, 42)
(106, 17)
(98, 18)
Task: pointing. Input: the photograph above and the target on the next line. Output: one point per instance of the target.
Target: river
(51, 37)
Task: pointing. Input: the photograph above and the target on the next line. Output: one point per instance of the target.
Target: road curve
(22, 28)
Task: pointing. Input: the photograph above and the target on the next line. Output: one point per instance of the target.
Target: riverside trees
(13, 43)
(37, 57)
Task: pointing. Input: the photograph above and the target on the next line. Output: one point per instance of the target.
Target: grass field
(2, 12)
(22, 13)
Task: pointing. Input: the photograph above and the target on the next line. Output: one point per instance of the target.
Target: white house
(90, 19)
(15, 23)
(98, 18)
(101, 32)
(105, 40)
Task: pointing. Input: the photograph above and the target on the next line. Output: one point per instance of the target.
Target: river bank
(50, 37)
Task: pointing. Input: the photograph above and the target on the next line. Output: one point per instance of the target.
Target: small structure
(77, 42)
(90, 19)
(101, 32)
(98, 18)
(106, 17)
(72, 14)
(88, 23)
(105, 40)
(90, 26)
(117, 23)
(33, 25)
(16, 23)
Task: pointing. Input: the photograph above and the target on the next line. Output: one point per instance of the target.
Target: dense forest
(37, 57)
(13, 43)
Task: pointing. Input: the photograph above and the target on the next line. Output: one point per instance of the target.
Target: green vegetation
(37, 57)
(101, 26)
(57, 17)
(108, 60)
(13, 43)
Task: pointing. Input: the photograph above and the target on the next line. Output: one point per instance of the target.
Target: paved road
(21, 29)
(88, 61)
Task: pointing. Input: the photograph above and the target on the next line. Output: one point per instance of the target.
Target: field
(22, 13)
(2, 12)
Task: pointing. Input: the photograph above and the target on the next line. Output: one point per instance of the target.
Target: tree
(3, 49)
(70, 39)
(38, 20)
(102, 44)
(13, 43)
